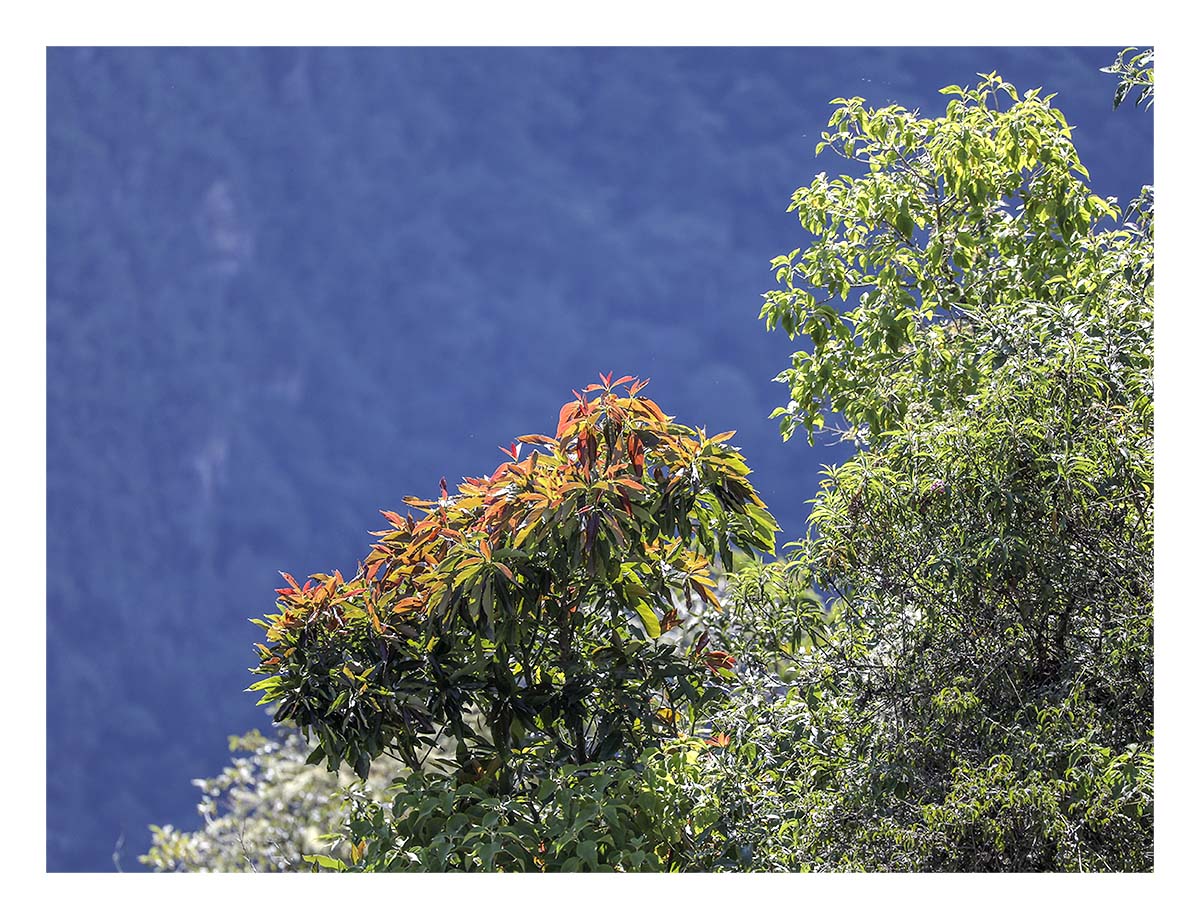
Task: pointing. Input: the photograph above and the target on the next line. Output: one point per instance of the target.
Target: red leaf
(719, 660)
(566, 415)
(587, 450)
(637, 454)
(393, 518)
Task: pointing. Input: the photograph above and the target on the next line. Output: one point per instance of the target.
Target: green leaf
(649, 619)
(326, 861)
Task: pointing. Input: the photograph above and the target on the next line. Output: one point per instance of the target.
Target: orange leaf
(566, 415)
(407, 604)
(651, 407)
(637, 454)
(393, 518)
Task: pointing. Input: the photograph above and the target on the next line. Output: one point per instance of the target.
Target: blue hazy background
(287, 287)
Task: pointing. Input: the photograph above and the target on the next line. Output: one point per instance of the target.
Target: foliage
(525, 616)
(954, 219)
(595, 817)
(1136, 73)
(951, 671)
(264, 813)
(978, 692)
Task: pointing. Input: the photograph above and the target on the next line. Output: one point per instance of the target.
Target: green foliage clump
(978, 692)
(595, 817)
(953, 219)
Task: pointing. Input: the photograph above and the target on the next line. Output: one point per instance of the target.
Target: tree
(978, 694)
(527, 618)
(955, 221)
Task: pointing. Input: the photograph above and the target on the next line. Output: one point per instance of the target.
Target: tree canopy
(978, 692)
(524, 615)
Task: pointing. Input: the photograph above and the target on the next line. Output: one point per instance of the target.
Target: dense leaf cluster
(953, 218)
(524, 617)
(978, 693)
(596, 817)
